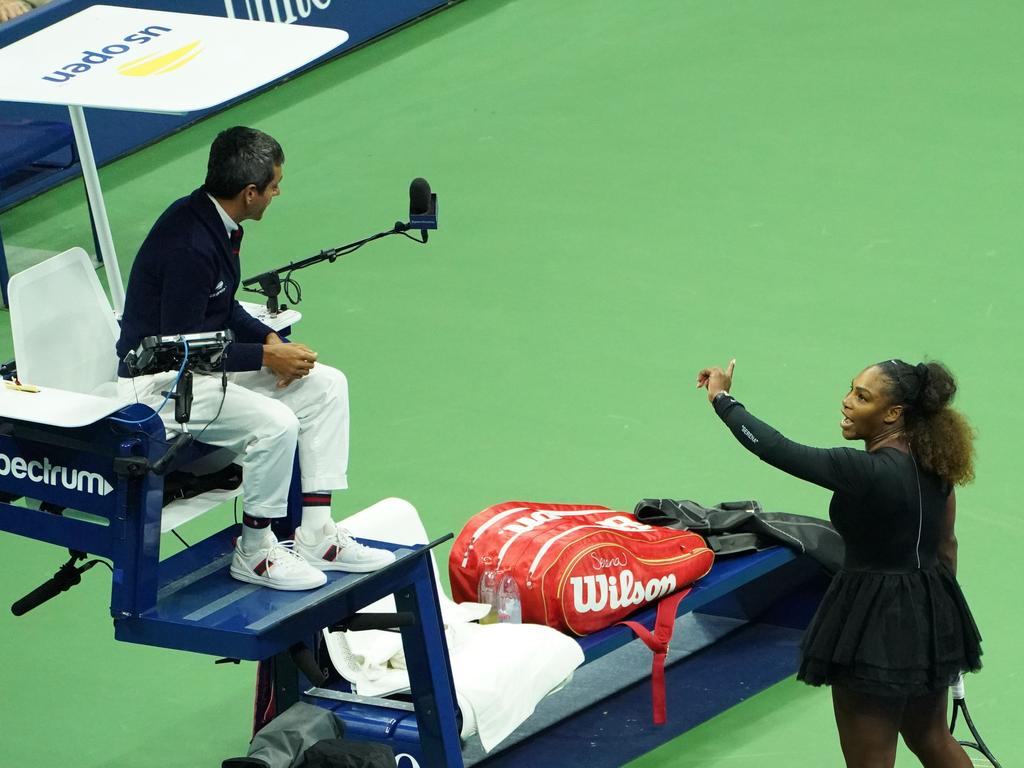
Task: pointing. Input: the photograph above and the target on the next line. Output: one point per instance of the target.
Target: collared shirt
(229, 224)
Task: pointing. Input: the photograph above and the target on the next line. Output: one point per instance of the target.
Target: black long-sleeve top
(888, 509)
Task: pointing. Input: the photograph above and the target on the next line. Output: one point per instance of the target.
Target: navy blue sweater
(184, 280)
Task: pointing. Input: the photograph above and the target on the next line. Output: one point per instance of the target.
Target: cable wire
(167, 397)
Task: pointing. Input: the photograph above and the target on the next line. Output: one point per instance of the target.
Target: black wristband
(722, 402)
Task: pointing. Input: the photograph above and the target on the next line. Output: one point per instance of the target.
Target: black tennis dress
(893, 622)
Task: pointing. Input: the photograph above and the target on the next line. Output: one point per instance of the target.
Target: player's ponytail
(939, 435)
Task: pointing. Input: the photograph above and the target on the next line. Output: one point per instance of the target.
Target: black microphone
(419, 197)
(64, 579)
(422, 207)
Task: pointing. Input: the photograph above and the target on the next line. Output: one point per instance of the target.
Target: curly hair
(940, 436)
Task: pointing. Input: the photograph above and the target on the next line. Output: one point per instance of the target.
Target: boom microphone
(419, 197)
(422, 207)
(422, 216)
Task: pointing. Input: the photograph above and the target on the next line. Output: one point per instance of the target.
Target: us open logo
(155, 63)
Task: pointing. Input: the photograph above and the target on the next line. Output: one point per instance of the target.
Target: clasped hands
(289, 362)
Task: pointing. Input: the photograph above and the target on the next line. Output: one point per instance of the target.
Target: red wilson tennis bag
(582, 568)
(578, 568)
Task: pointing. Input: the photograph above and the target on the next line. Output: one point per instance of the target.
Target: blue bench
(27, 148)
(737, 633)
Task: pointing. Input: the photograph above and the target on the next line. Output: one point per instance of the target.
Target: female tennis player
(893, 631)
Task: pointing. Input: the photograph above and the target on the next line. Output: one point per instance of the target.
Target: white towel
(487, 661)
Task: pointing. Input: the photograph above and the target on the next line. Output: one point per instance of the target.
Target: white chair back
(63, 326)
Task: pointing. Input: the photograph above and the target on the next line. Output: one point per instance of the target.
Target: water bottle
(487, 593)
(510, 609)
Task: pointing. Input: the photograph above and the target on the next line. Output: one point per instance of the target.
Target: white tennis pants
(263, 424)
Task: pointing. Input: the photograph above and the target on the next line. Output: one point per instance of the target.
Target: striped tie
(236, 240)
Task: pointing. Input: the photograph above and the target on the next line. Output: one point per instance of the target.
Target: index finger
(731, 368)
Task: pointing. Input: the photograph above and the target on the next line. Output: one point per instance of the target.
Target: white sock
(255, 538)
(316, 513)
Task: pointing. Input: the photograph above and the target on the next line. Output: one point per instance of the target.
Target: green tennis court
(628, 192)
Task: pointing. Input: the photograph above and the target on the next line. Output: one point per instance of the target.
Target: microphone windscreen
(419, 197)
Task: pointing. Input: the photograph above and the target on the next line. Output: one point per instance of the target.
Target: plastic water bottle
(487, 593)
(510, 609)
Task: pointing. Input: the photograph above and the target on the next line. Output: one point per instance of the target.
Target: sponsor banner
(65, 477)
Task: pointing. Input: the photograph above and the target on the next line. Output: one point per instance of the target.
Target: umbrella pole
(99, 210)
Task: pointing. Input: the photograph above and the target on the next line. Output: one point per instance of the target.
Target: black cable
(178, 537)
(91, 563)
(287, 285)
(223, 394)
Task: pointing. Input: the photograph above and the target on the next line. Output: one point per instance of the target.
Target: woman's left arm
(947, 534)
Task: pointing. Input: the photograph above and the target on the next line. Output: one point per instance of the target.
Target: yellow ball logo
(161, 63)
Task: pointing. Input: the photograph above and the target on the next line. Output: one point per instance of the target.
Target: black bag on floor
(307, 736)
(339, 753)
(185, 485)
(735, 527)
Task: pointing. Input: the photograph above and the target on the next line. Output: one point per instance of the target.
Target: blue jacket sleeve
(246, 327)
(839, 469)
(246, 353)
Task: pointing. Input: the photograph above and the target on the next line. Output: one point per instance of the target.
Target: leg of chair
(4, 274)
(92, 224)
(430, 679)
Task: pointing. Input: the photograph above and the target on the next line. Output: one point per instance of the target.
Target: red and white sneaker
(273, 564)
(335, 550)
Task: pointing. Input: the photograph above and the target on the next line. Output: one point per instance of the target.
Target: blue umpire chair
(84, 461)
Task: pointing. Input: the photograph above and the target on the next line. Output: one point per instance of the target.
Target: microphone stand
(270, 282)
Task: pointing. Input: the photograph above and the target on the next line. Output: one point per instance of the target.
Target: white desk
(57, 407)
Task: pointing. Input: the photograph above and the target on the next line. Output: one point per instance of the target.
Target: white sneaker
(336, 550)
(273, 564)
